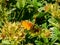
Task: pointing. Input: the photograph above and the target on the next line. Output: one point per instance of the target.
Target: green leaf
(44, 25)
(5, 42)
(46, 40)
(40, 15)
(38, 42)
(53, 22)
(20, 3)
(35, 3)
(55, 32)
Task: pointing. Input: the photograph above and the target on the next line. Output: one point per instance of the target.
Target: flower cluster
(12, 32)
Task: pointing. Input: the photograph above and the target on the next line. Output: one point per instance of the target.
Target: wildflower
(27, 25)
(12, 31)
(3, 36)
(57, 0)
(56, 14)
(48, 7)
(0, 37)
(45, 33)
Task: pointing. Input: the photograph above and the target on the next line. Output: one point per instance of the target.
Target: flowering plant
(29, 22)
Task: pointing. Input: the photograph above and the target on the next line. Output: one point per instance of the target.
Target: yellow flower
(56, 14)
(57, 0)
(46, 33)
(48, 7)
(0, 36)
(27, 25)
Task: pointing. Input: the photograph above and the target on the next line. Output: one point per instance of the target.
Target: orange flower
(27, 25)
